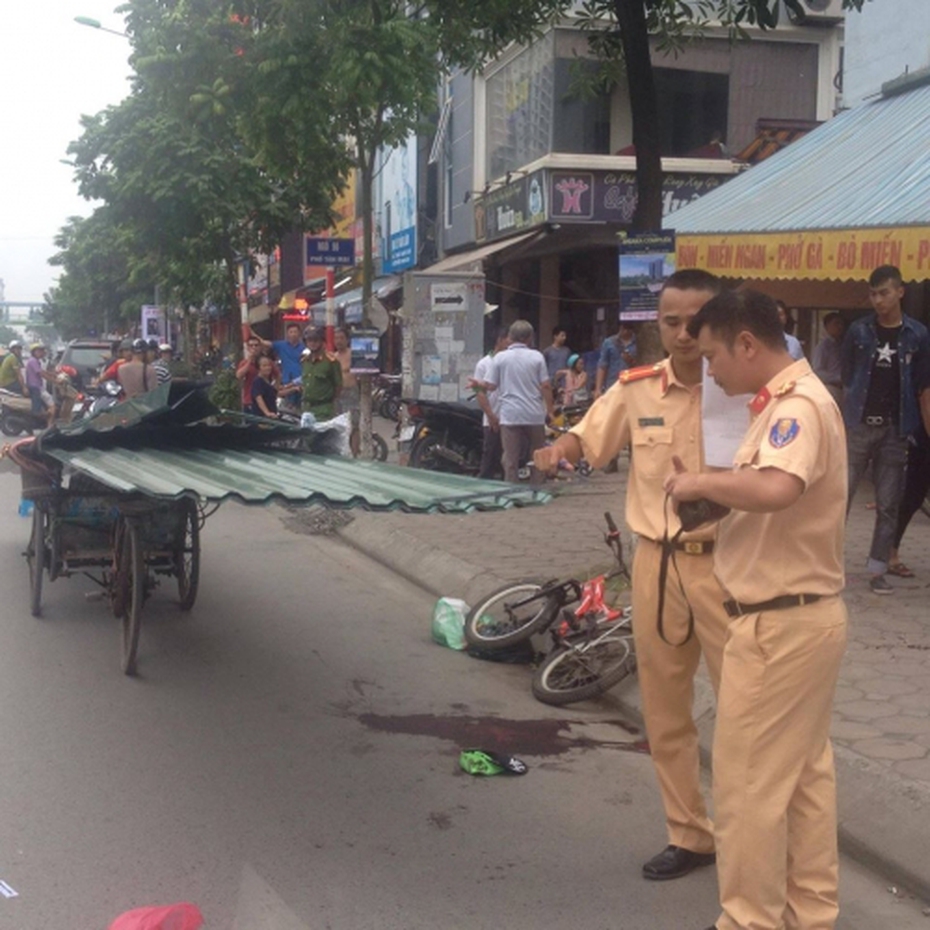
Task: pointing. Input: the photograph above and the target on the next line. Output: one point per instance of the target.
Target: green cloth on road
(321, 381)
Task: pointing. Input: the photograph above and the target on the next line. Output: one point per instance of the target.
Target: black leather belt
(736, 609)
(692, 547)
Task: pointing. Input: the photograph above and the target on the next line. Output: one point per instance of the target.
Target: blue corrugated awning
(851, 195)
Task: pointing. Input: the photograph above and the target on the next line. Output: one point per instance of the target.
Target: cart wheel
(119, 579)
(133, 573)
(35, 556)
(187, 557)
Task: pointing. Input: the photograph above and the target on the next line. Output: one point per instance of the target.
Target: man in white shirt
(490, 404)
(520, 374)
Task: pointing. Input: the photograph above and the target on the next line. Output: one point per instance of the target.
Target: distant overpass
(22, 311)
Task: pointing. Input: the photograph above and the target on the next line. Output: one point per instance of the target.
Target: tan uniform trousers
(666, 680)
(774, 781)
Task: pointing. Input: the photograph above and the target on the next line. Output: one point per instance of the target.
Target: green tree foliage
(101, 286)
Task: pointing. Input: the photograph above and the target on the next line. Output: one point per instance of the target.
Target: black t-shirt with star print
(884, 397)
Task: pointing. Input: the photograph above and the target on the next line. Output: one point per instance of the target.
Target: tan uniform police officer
(658, 408)
(779, 555)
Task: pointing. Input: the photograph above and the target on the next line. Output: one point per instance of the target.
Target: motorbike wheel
(423, 454)
(9, 425)
(510, 615)
(391, 407)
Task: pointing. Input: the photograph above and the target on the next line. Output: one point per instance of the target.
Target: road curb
(884, 820)
(432, 569)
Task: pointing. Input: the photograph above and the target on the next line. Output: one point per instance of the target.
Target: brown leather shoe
(674, 862)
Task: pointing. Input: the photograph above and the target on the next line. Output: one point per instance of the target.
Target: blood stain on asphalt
(544, 737)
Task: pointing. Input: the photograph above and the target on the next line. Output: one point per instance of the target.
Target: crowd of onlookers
(877, 369)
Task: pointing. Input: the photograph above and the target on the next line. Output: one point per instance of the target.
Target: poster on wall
(399, 207)
(154, 323)
(646, 260)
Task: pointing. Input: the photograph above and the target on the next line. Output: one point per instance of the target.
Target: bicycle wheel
(187, 557)
(35, 557)
(579, 670)
(510, 615)
(132, 558)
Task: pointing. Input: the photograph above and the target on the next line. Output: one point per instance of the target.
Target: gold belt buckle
(694, 548)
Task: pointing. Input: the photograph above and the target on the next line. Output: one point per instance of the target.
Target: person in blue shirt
(288, 352)
(618, 353)
(795, 349)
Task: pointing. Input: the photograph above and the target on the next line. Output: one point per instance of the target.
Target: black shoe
(673, 862)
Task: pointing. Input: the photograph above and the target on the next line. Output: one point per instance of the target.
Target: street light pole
(96, 24)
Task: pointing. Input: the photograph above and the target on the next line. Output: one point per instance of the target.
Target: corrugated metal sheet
(260, 476)
(865, 168)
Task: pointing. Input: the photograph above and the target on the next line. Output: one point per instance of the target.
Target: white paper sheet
(725, 421)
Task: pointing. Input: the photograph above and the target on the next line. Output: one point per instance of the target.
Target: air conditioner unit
(822, 12)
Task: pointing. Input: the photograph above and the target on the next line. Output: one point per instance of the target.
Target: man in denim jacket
(886, 374)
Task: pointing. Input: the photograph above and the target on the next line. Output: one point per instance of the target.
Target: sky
(52, 71)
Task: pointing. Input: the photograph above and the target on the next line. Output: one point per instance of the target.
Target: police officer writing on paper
(885, 361)
(779, 555)
(677, 603)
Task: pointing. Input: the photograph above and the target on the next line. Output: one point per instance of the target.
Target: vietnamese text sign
(646, 260)
(826, 255)
(333, 253)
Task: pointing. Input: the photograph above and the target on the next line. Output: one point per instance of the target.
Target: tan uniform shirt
(662, 417)
(797, 428)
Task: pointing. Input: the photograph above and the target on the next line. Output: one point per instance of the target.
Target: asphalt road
(287, 759)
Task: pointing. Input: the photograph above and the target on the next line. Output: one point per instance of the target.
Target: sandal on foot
(900, 570)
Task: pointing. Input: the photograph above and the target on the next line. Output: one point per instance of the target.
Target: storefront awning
(851, 195)
(471, 261)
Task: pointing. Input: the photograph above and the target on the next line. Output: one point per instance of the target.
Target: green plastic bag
(449, 622)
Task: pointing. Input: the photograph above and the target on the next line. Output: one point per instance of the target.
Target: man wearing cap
(678, 613)
(247, 372)
(11, 371)
(779, 556)
(162, 365)
(36, 376)
(321, 376)
(137, 376)
(125, 354)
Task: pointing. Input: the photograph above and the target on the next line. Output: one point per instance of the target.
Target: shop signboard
(511, 208)
(646, 260)
(365, 348)
(399, 207)
(610, 196)
(810, 255)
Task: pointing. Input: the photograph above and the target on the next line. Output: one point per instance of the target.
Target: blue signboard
(332, 253)
(401, 251)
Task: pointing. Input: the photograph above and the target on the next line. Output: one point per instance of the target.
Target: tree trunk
(644, 110)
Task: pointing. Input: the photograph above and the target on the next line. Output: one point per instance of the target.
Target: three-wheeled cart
(122, 497)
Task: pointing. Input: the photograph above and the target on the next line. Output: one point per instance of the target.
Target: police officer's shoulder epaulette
(786, 388)
(637, 374)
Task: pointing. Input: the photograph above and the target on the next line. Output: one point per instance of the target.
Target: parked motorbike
(105, 395)
(16, 416)
(444, 436)
(385, 398)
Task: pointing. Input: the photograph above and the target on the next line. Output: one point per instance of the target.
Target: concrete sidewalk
(881, 724)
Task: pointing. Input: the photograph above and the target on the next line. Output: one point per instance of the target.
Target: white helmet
(15, 344)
